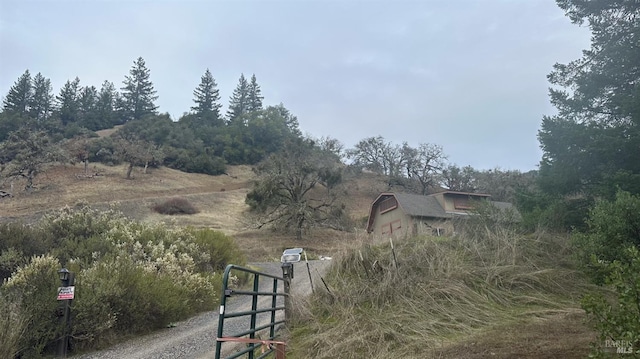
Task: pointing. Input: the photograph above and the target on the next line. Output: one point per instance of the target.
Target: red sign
(66, 293)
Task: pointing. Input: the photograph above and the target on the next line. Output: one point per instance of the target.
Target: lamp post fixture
(64, 276)
(65, 294)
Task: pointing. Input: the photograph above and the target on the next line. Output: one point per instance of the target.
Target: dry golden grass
(557, 335)
(504, 296)
(219, 200)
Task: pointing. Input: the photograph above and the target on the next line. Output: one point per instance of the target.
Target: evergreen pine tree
(68, 101)
(239, 102)
(105, 106)
(19, 97)
(255, 95)
(87, 108)
(590, 147)
(207, 99)
(41, 105)
(138, 92)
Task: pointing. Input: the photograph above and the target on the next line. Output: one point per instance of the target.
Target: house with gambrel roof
(405, 214)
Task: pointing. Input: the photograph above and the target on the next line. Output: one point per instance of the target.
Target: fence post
(287, 274)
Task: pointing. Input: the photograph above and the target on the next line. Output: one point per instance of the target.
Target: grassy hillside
(219, 200)
(498, 295)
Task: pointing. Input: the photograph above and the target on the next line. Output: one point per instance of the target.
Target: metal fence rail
(266, 346)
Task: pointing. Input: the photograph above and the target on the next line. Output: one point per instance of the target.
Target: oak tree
(297, 189)
(26, 153)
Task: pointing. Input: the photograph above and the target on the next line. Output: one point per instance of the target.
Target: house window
(388, 204)
(385, 228)
(462, 203)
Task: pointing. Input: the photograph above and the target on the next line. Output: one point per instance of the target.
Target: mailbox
(291, 255)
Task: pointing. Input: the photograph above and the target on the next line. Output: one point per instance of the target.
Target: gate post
(289, 256)
(287, 274)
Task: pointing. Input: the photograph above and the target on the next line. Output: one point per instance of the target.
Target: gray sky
(467, 75)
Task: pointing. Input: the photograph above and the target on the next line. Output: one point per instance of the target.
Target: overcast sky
(467, 75)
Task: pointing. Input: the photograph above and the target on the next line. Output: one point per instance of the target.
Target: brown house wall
(396, 224)
(392, 223)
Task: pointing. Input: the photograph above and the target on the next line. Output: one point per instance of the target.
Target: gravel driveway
(196, 337)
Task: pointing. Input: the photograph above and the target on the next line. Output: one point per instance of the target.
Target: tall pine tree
(207, 100)
(591, 146)
(43, 100)
(239, 102)
(255, 95)
(105, 107)
(138, 93)
(87, 108)
(20, 94)
(68, 102)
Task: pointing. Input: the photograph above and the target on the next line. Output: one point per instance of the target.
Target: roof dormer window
(388, 204)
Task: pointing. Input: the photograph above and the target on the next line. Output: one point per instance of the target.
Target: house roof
(420, 206)
(416, 205)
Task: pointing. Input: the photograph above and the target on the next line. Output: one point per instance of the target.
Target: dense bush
(618, 320)
(17, 244)
(13, 325)
(219, 248)
(609, 253)
(32, 289)
(175, 206)
(130, 277)
(194, 161)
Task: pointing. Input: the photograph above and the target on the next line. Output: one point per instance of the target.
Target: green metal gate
(273, 287)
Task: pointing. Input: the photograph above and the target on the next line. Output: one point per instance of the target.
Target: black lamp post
(65, 294)
(64, 276)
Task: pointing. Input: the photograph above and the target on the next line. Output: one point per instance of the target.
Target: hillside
(219, 199)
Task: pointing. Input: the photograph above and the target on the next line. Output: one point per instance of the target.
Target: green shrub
(130, 277)
(219, 248)
(18, 242)
(13, 325)
(33, 289)
(609, 253)
(175, 206)
(613, 226)
(77, 233)
(619, 319)
(118, 296)
(194, 161)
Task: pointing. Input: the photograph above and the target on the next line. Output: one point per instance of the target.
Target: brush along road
(196, 337)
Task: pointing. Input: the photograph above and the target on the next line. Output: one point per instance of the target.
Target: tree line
(201, 140)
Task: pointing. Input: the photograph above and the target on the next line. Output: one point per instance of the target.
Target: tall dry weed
(441, 290)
